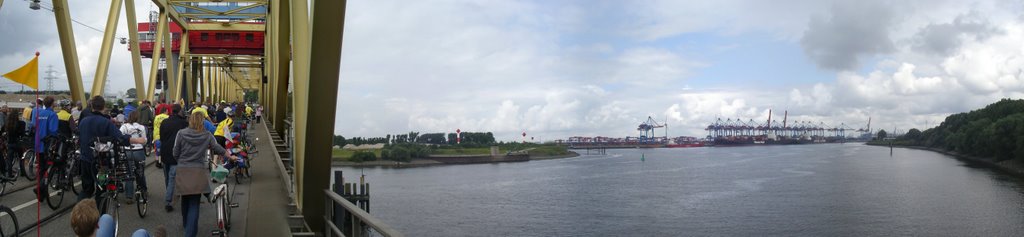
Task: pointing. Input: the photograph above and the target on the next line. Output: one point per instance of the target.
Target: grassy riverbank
(1013, 167)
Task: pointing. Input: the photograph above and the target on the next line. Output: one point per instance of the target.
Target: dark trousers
(87, 171)
(41, 175)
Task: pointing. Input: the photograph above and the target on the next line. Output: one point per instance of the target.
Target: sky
(556, 69)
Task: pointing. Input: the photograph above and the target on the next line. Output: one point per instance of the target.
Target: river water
(799, 190)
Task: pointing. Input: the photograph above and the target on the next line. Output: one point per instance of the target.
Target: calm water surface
(810, 190)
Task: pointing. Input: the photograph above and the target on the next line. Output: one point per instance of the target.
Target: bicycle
(27, 163)
(8, 228)
(110, 179)
(222, 200)
(59, 177)
(10, 168)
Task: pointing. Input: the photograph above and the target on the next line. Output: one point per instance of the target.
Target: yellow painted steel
(68, 49)
(271, 38)
(173, 14)
(182, 63)
(206, 81)
(169, 58)
(284, 54)
(300, 68)
(133, 38)
(315, 128)
(103, 64)
(189, 91)
(154, 68)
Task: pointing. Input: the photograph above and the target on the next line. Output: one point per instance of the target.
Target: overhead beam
(186, 5)
(197, 15)
(252, 1)
(236, 10)
(246, 20)
(172, 13)
(66, 34)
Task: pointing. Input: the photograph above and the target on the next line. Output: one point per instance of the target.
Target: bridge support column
(69, 49)
(314, 129)
(105, 47)
(283, 54)
(180, 74)
(154, 68)
(171, 62)
(133, 38)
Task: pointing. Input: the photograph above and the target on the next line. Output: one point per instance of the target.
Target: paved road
(28, 211)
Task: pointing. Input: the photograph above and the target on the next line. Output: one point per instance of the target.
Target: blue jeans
(190, 214)
(169, 172)
(139, 157)
(140, 233)
(106, 227)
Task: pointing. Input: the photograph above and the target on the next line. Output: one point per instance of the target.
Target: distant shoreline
(1012, 167)
(424, 162)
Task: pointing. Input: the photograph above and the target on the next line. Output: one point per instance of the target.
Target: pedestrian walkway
(268, 217)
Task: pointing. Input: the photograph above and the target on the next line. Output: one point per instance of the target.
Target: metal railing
(356, 217)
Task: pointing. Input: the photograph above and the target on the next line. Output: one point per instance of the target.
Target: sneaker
(168, 208)
(129, 201)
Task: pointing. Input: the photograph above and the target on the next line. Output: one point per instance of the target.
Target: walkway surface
(268, 217)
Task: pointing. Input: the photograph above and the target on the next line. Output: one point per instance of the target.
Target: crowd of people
(181, 136)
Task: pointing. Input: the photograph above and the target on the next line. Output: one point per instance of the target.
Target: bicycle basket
(219, 173)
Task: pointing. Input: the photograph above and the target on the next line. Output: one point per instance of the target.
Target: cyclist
(190, 148)
(15, 130)
(95, 125)
(224, 129)
(135, 154)
(161, 115)
(46, 126)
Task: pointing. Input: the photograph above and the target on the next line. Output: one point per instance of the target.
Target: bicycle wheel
(29, 165)
(8, 222)
(54, 186)
(72, 175)
(141, 204)
(103, 202)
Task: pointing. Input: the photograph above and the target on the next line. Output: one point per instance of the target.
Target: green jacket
(146, 115)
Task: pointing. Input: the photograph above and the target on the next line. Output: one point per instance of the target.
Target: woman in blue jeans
(193, 174)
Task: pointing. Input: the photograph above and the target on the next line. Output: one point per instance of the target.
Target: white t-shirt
(136, 130)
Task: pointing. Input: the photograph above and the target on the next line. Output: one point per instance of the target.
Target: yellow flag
(27, 75)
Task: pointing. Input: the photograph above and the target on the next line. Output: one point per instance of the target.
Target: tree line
(468, 138)
(995, 132)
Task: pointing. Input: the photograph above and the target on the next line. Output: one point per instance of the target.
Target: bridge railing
(355, 215)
